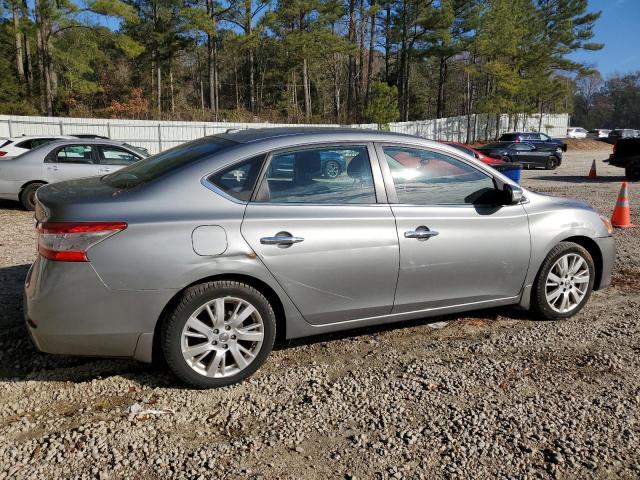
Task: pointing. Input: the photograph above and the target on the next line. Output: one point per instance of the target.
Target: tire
(541, 305)
(28, 195)
(632, 171)
(218, 348)
(551, 163)
(332, 169)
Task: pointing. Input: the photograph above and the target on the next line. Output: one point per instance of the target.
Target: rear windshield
(5, 143)
(158, 165)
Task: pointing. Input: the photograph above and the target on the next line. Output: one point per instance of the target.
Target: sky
(619, 29)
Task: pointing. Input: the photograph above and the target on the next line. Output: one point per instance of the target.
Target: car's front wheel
(632, 171)
(219, 334)
(564, 282)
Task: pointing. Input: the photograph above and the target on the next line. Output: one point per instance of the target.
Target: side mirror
(512, 194)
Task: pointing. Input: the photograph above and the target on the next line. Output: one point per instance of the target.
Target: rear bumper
(607, 246)
(69, 310)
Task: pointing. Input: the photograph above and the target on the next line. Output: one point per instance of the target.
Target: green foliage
(383, 107)
(300, 60)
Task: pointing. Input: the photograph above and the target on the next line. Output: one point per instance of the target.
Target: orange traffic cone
(621, 217)
(592, 172)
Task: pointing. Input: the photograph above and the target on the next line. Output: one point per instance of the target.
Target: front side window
(238, 180)
(116, 156)
(331, 175)
(74, 154)
(424, 177)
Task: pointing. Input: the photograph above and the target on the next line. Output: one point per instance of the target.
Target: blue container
(511, 170)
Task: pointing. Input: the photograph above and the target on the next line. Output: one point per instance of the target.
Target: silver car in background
(204, 254)
(61, 160)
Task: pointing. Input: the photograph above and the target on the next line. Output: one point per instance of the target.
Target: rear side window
(26, 144)
(238, 180)
(156, 166)
(331, 175)
(508, 137)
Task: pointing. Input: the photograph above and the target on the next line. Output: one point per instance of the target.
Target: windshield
(158, 165)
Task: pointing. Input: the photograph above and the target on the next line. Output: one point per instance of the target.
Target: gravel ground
(489, 395)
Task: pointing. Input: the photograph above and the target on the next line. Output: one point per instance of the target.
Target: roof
(259, 134)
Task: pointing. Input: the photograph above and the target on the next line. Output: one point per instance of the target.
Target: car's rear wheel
(28, 195)
(331, 169)
(219, 334)
(632, 171)
(564, 282)
(551, 163)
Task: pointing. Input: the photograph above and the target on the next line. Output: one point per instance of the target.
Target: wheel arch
(31, 182)
(593, 249)
(261, 286)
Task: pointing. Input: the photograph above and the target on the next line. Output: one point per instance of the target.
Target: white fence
(156, 136)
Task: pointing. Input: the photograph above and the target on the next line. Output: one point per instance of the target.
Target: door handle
(421, 233)
(52, 167)
(281, 238)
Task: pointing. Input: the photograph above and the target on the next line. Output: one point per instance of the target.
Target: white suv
(12, 147)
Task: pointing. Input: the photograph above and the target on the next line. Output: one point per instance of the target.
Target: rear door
(456, 246)
(330, 242)
(70, 162)
(112, 158)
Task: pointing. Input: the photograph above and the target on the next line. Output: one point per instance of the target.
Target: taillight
(69, 242)
(615, 148)
(2, 154)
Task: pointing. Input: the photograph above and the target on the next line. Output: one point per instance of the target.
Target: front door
(457, 247)
(328, 242)
(70, 162)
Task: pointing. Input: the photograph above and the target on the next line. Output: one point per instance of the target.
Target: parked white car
(12, 147)
(599, 133)
(576, 132)
(61, 160)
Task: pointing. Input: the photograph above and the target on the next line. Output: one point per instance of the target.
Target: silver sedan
(206, 253)
(60, 160)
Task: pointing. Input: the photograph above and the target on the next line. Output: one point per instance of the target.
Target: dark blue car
(535, 138)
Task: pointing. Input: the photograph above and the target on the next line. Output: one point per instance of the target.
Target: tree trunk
(211, 71)
(27, 46)
(352, 88)
(18, 41)
(159, 85)
(250, 56)
(372, 35)
(442, 79)
(387, 44)
(362, 77)
(307, 90)
(40, 56)
(171, 93)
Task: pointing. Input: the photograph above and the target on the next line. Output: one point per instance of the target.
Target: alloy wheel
(567, 283)
(222, 337)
